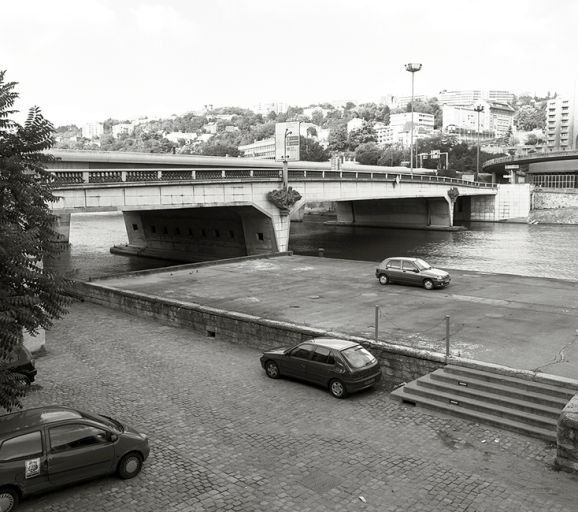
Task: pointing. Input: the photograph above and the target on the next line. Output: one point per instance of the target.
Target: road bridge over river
(193, 208)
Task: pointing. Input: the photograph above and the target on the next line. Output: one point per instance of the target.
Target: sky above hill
(90, 60)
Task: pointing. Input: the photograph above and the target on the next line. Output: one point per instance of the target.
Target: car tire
(9, 499)
(428, 284)
(272, 370)
(130, 465)
(337, 389)
(383, 279)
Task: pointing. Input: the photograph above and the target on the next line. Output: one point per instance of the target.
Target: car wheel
(383, 279)
(272, 370)
(337, 389)
(130, 465)
(428, 284)
(8, 499)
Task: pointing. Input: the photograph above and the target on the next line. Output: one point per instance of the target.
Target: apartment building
(471, 96)
(92, 130)
(399, 129)
(561, 124)
(260, 149)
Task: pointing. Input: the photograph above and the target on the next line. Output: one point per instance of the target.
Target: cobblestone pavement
(225, 437)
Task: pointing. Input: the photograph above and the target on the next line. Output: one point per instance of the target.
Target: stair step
(516, 382)
(541, 433)
(500, 389)
(516, 401)
(413, 390)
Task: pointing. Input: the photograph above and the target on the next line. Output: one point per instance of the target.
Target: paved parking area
(225, 437)
(517, 321)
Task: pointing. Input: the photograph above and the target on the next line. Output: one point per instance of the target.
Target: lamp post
(479, 109)
(412, 67)
(285, 170)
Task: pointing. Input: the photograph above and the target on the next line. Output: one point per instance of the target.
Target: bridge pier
(61, 225)
(207, 233)
(416, 213)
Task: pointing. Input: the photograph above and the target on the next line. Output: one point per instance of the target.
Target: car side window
(323, 355)
(27, 445)
(71, 437)
(303, 351)
(394, 264)
(409, 265)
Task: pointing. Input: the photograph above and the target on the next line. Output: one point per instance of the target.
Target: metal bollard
(447, 336)
(321, 252)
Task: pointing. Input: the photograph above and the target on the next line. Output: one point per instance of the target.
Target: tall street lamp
(285, 169)
(412, 67)
(479, 109)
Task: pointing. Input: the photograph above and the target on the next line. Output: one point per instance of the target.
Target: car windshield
(422, 265)
(358, 357)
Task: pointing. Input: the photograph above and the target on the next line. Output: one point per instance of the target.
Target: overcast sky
(89, 60)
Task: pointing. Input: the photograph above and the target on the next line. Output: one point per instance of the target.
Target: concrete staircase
(512, 403)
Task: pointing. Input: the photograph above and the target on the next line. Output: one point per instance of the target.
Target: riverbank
(494, 318)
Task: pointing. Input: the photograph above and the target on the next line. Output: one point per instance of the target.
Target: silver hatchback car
(411, 271)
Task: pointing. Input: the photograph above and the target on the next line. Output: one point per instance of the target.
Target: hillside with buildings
(451, 124)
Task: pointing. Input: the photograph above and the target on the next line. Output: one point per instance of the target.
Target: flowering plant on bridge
(284, 198)
(30, 295)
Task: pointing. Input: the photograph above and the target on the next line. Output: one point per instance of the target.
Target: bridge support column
(451, 203)
(61, 226)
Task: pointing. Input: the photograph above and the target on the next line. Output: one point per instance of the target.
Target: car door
(410, 272)
(322, 366)
(296, 362)
(78, 451)
(23, 460)
(394, 273)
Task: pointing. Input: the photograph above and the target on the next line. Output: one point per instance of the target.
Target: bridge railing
(79, 177)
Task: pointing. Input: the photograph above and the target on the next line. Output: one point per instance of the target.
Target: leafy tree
(216, 148)
(362, 136)
(392, 156)
(337, 139)
(311, 151)
(368, 153)
(31, 296)
(529, 117)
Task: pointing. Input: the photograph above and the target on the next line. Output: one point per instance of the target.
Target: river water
(525, 249)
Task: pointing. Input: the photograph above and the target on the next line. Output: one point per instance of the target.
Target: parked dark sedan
(411, 271)
(341, 366)
(54, 446)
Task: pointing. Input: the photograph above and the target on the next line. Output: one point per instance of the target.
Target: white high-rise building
(562, 124)
(92, 130)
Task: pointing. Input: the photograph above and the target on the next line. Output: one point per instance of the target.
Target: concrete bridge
(196, 208)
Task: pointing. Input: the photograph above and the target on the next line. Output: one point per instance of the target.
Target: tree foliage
(31, 296)
(529, 117)
(311, 151)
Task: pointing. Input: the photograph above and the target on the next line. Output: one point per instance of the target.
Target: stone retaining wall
(567, 454)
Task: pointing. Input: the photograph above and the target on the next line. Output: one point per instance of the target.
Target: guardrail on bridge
(84, 177)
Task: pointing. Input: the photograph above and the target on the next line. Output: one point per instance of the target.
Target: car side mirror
(416, 270)
(113, 437)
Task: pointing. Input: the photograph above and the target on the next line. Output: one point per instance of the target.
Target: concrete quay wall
(399, 364)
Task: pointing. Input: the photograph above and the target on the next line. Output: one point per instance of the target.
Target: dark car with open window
(412, 271)
(341, 366)
(54, 446)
